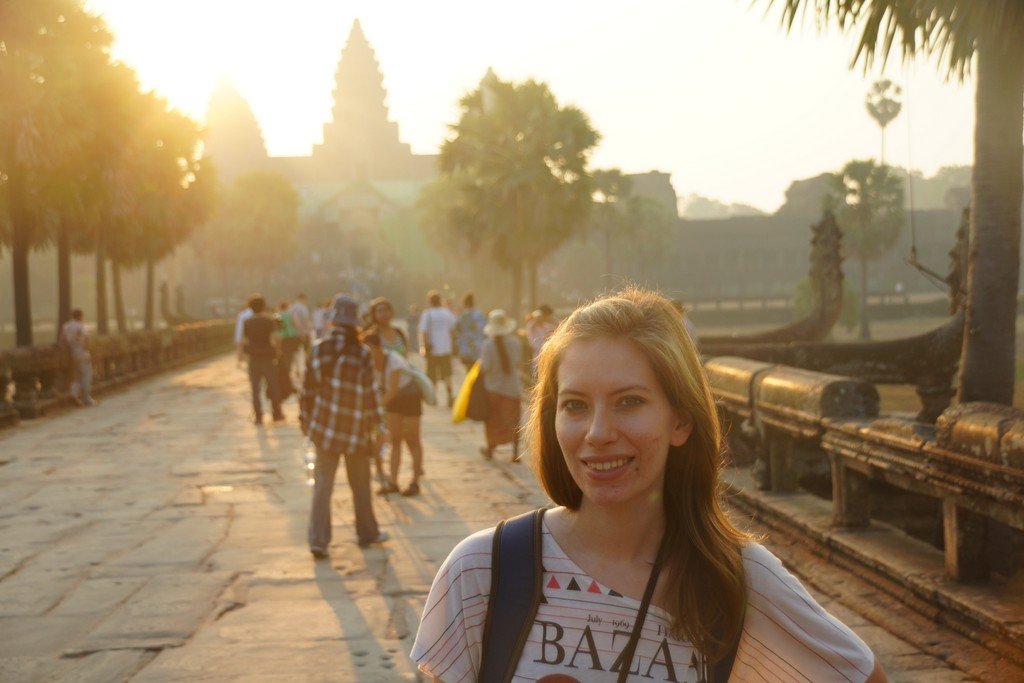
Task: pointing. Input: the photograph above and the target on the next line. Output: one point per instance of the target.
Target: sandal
(487, 452)
(387, 488)
(412, 489)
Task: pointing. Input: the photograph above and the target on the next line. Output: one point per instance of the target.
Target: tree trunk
(20, 244)
(101, 287)
(865, 330)
(531, 270)
(63, 276)
(150, 284)
(607, 253)
(122, 326)
(517, 290)
(993, 267)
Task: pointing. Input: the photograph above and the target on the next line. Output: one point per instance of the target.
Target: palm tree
(883, 106)
(959, 32)
(518, 161)
(41, 47)
(868, 202)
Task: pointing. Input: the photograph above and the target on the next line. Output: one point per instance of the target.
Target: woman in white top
(403, 405)
(625, 440)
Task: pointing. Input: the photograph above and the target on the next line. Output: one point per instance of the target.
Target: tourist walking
(321, 319)
(75, 339)
(500, 356)
(302, 321)
(403, 406)
(261, 345)
(539, 327)
(291, 341)
(412, 321)
(382, 313)
(341, 415)
(240, 319)
(437, 328)
(643, 576)
(469, 331)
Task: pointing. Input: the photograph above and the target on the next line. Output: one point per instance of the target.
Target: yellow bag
(462, 400)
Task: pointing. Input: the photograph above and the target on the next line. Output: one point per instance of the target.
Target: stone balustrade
(797, 421)
(37, 378)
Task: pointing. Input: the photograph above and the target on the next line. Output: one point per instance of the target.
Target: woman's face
(382, 314)
(614, 422)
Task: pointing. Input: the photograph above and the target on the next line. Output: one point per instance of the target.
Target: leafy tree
(42, 46)
(630, 224)
(868, 201)
(166, 199)
(514, 176)
(252, 228)
(883, 106)
(965, 34)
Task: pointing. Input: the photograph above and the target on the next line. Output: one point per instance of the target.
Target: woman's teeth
(609, 465)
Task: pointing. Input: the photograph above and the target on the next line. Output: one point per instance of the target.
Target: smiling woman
(644, 576)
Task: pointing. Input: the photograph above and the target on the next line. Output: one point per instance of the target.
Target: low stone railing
(792, 425)
(37, 378)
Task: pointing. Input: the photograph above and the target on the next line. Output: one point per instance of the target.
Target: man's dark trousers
(263, 368)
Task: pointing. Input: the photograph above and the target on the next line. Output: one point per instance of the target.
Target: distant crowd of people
(360, 399)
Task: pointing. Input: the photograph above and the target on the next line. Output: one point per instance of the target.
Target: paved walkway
(160, 536)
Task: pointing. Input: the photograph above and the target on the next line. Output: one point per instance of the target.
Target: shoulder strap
(722, 669)
(516, 575)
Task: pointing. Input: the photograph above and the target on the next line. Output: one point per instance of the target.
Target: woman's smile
(614, 423)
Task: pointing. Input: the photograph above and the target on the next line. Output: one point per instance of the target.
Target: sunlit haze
(712, 92)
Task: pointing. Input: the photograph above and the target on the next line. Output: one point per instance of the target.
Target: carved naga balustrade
(928, 361)
(798, 425)
(34, 379)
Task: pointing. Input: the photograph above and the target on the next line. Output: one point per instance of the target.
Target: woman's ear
(681, 431)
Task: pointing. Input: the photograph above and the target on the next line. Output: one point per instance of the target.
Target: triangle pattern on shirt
(553, 583)
(594, 588)
(614, 593)
(573, 586)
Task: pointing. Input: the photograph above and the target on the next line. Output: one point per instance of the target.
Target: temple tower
(233, 139)
(360, 141)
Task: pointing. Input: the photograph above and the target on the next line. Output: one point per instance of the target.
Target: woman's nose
(602, 428)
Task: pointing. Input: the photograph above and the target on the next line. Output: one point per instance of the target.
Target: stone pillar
(966, 540)
(781, 471)
(851, 497)
(8, 415)
(26, 387)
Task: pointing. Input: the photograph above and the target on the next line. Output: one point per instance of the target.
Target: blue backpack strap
(516, 575)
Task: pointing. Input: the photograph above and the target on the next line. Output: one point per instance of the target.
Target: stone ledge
(910, 570)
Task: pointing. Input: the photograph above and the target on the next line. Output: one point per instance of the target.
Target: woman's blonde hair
(706, 592)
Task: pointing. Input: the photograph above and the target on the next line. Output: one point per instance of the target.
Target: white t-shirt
(240, 319)
(74, 334)
(582, 626)
(395, 363)
(437, 322)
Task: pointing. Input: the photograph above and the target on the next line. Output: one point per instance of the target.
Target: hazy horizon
(718, 96)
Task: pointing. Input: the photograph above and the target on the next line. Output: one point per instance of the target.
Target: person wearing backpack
(403, 406)
(636, 573)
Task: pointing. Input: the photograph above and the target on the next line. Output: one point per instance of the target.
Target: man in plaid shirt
(342, 417)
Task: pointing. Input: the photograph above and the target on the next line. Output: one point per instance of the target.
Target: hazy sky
(711, 91)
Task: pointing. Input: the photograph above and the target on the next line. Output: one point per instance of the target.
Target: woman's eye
(573, 404)
(631, 401)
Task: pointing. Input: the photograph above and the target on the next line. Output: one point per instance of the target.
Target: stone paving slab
(160, 536)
